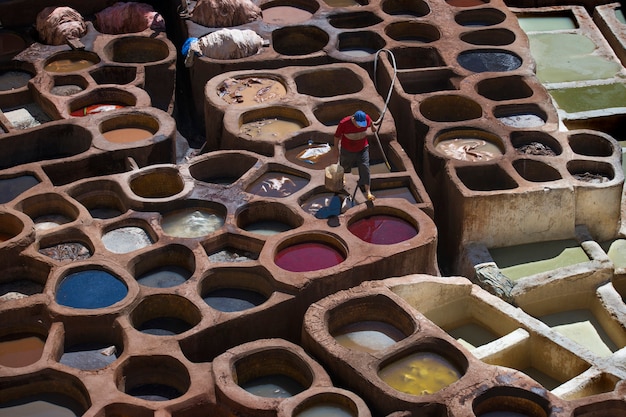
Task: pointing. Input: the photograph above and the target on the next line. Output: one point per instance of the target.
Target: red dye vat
(309, 256)
(95, 108)
(382, 229)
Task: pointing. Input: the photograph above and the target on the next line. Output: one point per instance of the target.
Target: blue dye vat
(489, 61)
(164, 326)
(90, 289)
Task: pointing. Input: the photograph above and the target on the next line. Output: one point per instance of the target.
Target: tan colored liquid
(285, 15)
(127, 135)
(421, 373)
(21, 352)
(68, 65)
(250, 91)
(469, 149)
(270, 129)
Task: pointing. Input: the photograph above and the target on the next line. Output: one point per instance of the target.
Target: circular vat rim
(483, 37)
(256, 279)
(316, 33)
(521, 138)
(580, 142)
(256, 211)
(239, 161)
(131, 222)
(16, 269)
(511, 110)
(130, 120)
(527, 401)
(158, 175)
(607, 407)
(433, 33)
(225, 241)
(172, 254)
(106, 95)
(506, 84)
(186, 311)
(430, 108)
(168, 52)
(468, 131)
(14, 227)
(353, 40)
(325, 238)
(61, 79)
(348, 85)
(275, 111)
(58, 276)
(370, 307)
(47, 381)
(91, 192)
(429, 344)
(390, 211)
(94, 58)
(347, 400)
(395, 7)
(584, 166)
(494, 16)
(36, 206)
(171, 370)
(536, 167)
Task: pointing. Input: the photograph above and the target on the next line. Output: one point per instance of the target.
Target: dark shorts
(361, 160)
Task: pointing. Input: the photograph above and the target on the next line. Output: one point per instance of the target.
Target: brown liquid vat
(222, 168)
(157, 182)
(269, 213)
(165, 315)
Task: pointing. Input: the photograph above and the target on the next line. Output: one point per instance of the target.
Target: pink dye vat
(382, 229)
(309, 256)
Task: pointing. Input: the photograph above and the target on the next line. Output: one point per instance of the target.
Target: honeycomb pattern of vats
(485, 340)
(102, 70)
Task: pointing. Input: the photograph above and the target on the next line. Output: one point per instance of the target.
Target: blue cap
(360, 118)
(185, 49)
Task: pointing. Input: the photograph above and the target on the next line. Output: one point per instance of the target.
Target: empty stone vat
(104, 199)
(165, 315)
(536, 171)
(267, 218)
(232, 248)
(330, 113)
(136, 50)
(256, 377)
(485, 178)
(592, 144)
(48, 210)
(70, 61)
(152, 378)
(232, 290)
(164, 267)
(328, 82)
(493, 37)
(360, 44)
(110, 74)
(480, 17)
(450, 108)
(68, 84)
(428, 81)
(404, 7)
(299, 40)
(412, 32)
(23, 278)
(511, 400)
(414, 57)
(504, 88)
(11, 43)
(12, 225)
(91, 347)
(222, 168)
(353, 20)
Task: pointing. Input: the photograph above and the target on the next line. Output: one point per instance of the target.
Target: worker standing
(352, 147)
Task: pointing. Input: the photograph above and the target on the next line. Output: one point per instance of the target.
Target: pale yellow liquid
(421, 373)
(468, 149)
(68, 65)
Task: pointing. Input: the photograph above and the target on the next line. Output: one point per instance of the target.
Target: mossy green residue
(594, 97)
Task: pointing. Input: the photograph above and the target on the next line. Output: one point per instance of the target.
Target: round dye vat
(11, 43)
(357, 52)
(522, 120)
(126, 239)
(325, 410)
(368, 336)
(250, 91)
(66, 90)
(90, 289)
(273, 386)
(164, 326)
(191, 223)
(267, 227)
(308, 256)
(20, 350)
(104, 212)
(285, 15)
(230, 300)
(270, 129)
(277, 184)
(50, 221)
(12, 187)
(420, 373)
(19, 288)
(382, 229)
(127, 135)
(69, 251)
(68, 65)
(10, 80)
(154, 392)
(489, 61)
(89, 356)
(96, 108)
(468, 149)
(164, 277)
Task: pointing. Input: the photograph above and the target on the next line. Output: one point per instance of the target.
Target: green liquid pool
(546, 23)
(595, 97)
